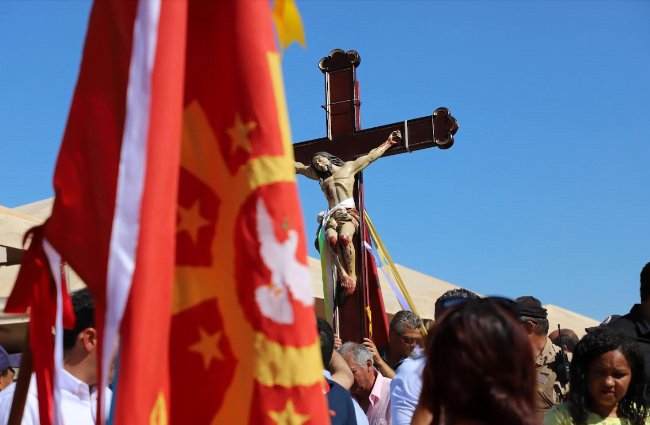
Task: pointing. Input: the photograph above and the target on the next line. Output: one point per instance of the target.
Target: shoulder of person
(412, 365)
(558, 415)
(30, 413)
(340, 401)
(338, 391)
(623, 323)
(409, 373)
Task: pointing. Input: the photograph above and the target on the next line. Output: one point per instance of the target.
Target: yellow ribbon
(384, 257)
(369, 314)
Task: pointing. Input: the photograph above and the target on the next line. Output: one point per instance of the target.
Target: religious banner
(114, 213)
(244, 348)
(195, 254)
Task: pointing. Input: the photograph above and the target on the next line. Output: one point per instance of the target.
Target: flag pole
(22, 385)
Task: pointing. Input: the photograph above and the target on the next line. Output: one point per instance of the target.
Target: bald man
(569, 339)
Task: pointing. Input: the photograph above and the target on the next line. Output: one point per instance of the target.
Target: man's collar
(67, 383)
(375, 394)
(70, 383)
(546, 355)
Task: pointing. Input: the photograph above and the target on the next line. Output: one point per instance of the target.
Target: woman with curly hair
(607, 383)
(479, 369)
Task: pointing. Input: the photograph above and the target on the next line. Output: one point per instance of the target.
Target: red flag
(118, 168)
(244, 343)
(243, 330)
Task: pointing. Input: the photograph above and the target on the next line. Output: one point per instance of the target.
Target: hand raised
(373, 349)
(337, 342)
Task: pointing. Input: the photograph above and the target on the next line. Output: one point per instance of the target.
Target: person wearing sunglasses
(479, 367)
(534, 320)
(406, 386)
(404, 335)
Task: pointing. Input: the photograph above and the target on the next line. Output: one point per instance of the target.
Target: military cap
(531, 307)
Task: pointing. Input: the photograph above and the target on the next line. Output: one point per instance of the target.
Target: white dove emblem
(287, 274)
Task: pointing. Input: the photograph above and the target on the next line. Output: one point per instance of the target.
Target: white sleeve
(359, 413)
(405, 391)
(30, 414)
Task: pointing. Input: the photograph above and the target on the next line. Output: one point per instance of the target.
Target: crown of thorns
(333, 159)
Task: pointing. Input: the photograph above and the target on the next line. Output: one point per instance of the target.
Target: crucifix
(354, 287)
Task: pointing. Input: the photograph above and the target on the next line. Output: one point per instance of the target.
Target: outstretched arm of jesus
(363, 161)
(305, 170)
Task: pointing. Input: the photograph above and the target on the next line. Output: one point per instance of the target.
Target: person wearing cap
(636, 324)
(7, 365)
(534, 319)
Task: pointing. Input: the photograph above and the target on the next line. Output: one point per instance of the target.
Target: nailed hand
(395, 137)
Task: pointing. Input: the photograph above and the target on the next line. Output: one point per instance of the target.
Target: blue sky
(546, 190)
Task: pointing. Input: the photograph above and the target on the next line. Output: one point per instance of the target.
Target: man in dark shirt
(636, 323)
(341, 406)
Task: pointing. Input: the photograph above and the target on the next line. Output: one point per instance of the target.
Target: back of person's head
(480, 367)
(567, 340)
(601, 340)
(84, 310)
(645, 283)
(326, 335)
(404, 319)
(453, 293)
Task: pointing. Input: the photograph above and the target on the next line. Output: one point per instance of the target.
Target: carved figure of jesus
(341, 221)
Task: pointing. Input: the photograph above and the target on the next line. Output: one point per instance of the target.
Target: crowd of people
(493, 361)
(485, 361)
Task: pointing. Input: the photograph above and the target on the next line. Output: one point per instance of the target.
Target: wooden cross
(346, 140)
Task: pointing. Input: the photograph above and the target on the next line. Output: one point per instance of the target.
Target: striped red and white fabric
(115, 185)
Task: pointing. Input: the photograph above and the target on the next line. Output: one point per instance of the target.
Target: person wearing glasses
(406, 386)
(534, 320)
(479, 367)
(7, 365)
(405, 334)
(607, 383)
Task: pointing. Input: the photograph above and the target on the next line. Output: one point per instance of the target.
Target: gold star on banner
(239, 134)
(191, 220)
(289, 416)
(208, 347)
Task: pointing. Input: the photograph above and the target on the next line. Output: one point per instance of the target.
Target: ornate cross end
(339, 59)
(444, 128)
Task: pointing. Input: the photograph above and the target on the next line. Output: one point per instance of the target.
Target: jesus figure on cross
(341, 221)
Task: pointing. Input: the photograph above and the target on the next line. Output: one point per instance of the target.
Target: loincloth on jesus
(341, 216)
(335, 218)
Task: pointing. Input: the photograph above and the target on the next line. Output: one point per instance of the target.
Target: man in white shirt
(405, 389)
(406, 385)
(79, 374)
